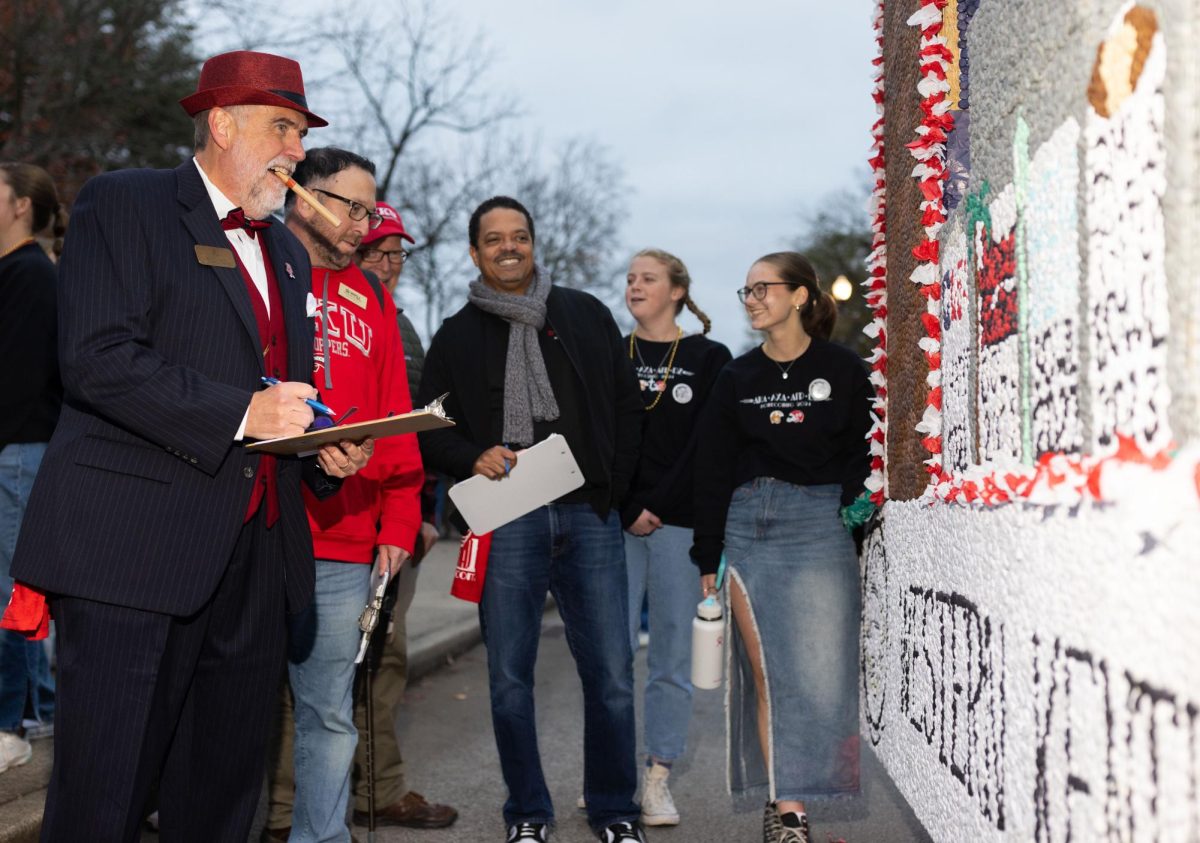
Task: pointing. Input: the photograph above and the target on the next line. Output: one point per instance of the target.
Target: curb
(435, 650)
(21, 819)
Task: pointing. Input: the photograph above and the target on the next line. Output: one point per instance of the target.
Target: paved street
(449, 748)
(447, 736)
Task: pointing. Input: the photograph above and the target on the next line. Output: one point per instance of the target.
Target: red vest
(273, 339)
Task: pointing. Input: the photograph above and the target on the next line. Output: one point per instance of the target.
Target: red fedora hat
(244, 77)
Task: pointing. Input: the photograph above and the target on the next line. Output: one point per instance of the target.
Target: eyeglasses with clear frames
(370, 255)
(356, 211)
(759, 290)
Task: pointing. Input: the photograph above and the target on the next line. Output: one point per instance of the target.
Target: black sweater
(663, 482)
(28, 346)
(457, 363)
(808, 429)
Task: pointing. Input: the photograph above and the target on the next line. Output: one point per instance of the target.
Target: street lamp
(842, 288)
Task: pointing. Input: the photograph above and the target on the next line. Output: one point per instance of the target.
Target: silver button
(192, 460)
(248, 473)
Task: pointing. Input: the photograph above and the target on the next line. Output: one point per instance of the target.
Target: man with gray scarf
(522, 360)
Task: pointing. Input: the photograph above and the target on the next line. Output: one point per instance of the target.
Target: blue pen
(721, 572)
(316, 405)
(506, 461)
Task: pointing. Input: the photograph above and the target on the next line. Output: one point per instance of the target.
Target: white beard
(264, 192)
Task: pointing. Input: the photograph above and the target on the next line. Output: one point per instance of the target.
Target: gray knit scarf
(527, 392)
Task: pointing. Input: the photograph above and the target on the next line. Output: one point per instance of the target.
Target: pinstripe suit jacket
(143, 490)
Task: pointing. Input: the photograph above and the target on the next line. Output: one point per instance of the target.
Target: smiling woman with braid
(675, 373)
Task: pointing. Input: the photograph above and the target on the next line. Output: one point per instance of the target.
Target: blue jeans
(660, 567)
(24, 666)
(323, 640)
(568, 550)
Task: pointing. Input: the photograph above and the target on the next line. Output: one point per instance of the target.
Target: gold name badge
(215, 256)
(352, 295)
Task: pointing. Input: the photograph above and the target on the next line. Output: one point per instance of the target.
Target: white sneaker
(13, 751)
(658, 808)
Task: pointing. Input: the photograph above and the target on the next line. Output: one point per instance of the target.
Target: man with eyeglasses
(382, 249)
(359, 367)
(382, 254)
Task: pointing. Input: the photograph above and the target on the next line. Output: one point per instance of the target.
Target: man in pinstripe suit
(169, 553)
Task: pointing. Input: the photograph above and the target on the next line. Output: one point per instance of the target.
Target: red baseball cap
(392, 224)
(245, 77)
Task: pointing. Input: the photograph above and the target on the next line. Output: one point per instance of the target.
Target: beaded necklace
(669, 359)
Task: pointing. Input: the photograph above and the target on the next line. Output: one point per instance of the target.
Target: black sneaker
(622, 833)
(538, 832)
(772, 824)
(793, 828)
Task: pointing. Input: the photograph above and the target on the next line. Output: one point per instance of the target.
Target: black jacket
(30, 404)
(143, 490)
(454, 364)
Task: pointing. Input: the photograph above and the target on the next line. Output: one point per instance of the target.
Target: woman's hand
(645, 524)
(708, 585)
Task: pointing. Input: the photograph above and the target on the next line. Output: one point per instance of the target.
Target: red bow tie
(237, 219)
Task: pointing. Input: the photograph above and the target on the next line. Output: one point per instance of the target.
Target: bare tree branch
(406, 88)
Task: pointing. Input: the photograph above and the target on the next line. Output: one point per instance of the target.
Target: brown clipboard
(306, 443)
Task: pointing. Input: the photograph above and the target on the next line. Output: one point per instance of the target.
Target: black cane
(374, 655)
(370, 752)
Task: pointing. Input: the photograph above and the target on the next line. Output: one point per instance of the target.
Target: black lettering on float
(952, 690)
(1071, 699)
(1127, 790)
(876, 628)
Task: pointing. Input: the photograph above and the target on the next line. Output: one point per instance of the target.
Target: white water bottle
(708, 644)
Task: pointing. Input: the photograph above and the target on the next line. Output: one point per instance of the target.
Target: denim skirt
(786, 548)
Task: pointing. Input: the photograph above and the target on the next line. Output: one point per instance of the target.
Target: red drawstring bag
(472, 566)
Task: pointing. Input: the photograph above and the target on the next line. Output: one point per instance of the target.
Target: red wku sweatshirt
(380, 504)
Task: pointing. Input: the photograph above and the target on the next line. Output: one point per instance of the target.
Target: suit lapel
(294, 280)
(201, 222)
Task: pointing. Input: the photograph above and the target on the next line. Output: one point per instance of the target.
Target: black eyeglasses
(759, 290)
(371, 255)
(357, 211)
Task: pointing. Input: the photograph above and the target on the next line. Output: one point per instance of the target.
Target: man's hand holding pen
(286, 409)
(495, 462)
(280, 410)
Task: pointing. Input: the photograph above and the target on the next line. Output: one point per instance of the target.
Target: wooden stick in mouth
(306, 196)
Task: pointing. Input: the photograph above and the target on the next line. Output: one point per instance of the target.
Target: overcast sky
(730, 119)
